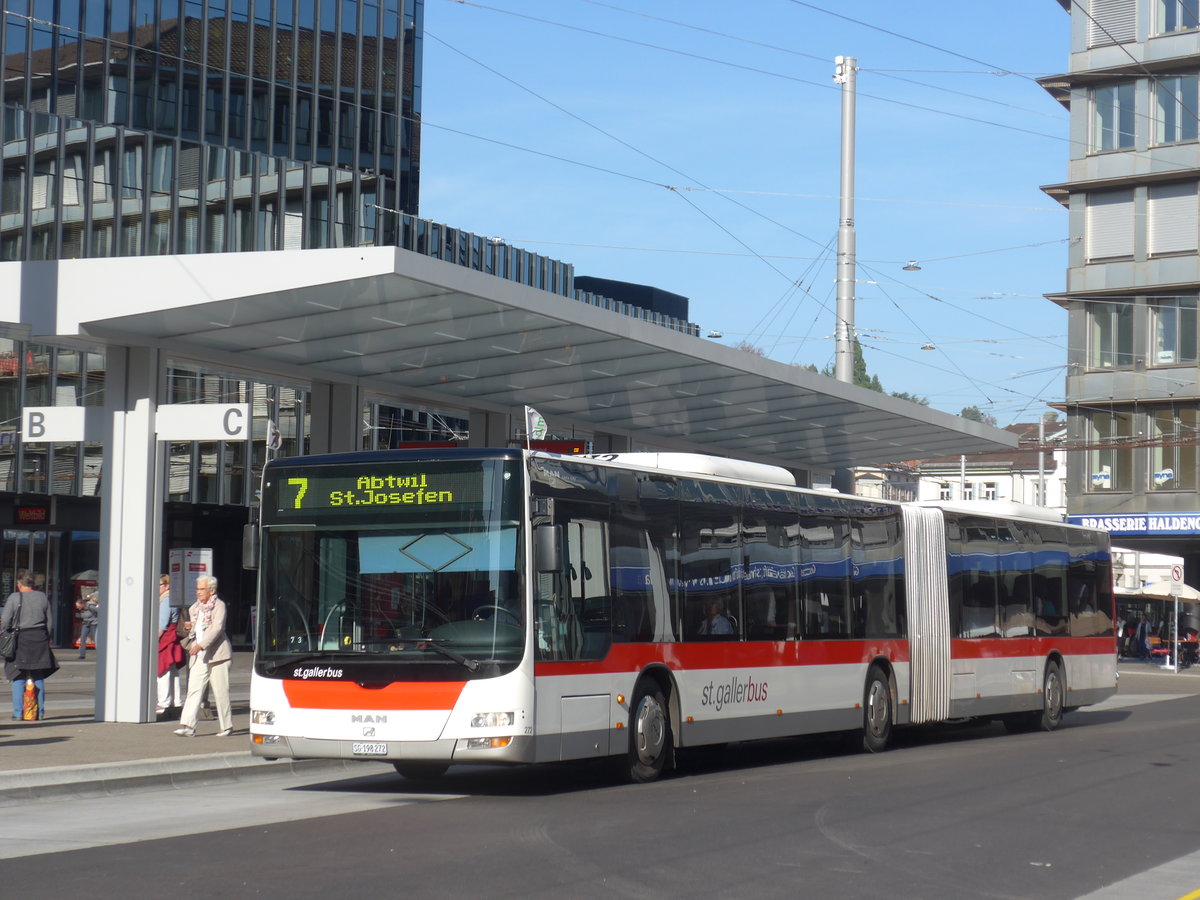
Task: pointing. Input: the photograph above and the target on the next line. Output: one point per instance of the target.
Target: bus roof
(701, 464)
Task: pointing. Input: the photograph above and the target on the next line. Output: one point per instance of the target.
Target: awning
(403, 325)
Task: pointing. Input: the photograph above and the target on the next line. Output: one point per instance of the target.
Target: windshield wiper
(274, 665)
(432, 644)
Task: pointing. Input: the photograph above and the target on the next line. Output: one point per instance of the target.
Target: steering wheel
(500, 609)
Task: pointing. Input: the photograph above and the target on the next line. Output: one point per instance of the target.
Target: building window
(1110, 458)
(1176, 15)
(1173, 456)
(1175, 331)
(989, 490)
(945, 492)
(1175, 105)
(1110, 225)
(969, 491)
(1171, 215)
(1112, 117)
(1111, 21)
(1110, 335)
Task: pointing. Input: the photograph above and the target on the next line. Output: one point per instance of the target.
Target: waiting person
(29, 610)
(1141, 638)
(171, 658)
(715, 622)
(89, 619)
(211, 653)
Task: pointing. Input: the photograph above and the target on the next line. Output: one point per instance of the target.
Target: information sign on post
(186, 564)
(1176, 591)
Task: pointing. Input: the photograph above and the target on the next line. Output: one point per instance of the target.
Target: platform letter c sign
(234, 423)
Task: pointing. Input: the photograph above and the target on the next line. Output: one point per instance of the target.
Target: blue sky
(561, 126)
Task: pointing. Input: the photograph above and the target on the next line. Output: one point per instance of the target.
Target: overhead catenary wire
(753, 252)
(792, 51)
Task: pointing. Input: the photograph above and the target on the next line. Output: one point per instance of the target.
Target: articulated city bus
(430, 607)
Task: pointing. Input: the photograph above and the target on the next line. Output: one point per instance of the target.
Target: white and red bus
(506, 606)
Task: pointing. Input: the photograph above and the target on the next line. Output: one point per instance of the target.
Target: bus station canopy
(403, 325)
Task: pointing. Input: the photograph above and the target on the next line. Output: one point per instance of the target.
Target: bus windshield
(432, 587)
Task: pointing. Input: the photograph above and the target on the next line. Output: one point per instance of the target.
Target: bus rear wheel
(877, 711)
(1053, 698)
(649, 733)
(1051, 714)
(421, 771)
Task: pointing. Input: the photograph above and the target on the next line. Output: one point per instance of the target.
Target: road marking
(1163, 881)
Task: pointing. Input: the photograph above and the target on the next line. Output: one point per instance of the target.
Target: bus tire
(877, 711)
(421, 771)
(1053, 698)
(649, 732)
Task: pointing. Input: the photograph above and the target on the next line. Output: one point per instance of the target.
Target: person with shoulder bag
(210, 654)
(28, 612)
(171, 654)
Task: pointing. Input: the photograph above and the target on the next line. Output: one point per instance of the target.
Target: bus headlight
(262, 717)
(492, 719)
(495, 743)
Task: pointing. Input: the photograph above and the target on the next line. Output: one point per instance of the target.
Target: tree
(863, 378)
(975, 414)
(747, 347)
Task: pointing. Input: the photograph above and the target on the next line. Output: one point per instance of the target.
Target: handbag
(181, 630)
(8, 644)
(8, 638)
(187, 636)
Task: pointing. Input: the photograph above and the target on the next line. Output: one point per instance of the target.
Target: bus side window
(825, 576)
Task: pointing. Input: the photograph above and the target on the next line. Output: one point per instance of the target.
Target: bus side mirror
(547, 548)
(250, 546)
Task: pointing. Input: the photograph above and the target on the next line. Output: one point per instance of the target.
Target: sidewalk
(71, 754)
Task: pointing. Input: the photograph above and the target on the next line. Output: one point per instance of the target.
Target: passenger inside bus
(715, 622)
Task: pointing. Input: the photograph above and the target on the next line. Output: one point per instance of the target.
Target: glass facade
(137, 128)
(34, 374)
(133, 128)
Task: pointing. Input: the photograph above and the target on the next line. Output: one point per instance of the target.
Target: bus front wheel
(877, 711)
(649, 733)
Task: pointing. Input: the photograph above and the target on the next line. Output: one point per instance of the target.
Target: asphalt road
(1103, 807)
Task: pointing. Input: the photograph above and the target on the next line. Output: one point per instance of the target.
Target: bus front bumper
(448, 750)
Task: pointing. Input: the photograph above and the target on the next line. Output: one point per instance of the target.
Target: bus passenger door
(573, 605)
(574, 624)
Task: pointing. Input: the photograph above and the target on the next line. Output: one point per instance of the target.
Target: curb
(105, 779)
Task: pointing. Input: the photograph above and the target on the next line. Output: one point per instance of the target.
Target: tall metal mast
(844, 329)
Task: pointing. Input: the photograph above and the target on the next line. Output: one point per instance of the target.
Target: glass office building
(131, 128)
(138, 127)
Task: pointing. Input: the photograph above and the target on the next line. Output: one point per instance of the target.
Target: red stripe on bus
(399, 695)
(744, 655)
(731, 655)
(1001, 648)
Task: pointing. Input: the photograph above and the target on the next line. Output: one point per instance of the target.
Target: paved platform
(71, 753)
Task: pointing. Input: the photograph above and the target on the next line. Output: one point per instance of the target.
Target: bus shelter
(386, 322)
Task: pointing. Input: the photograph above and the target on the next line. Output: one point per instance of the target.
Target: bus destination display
(382, 488)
